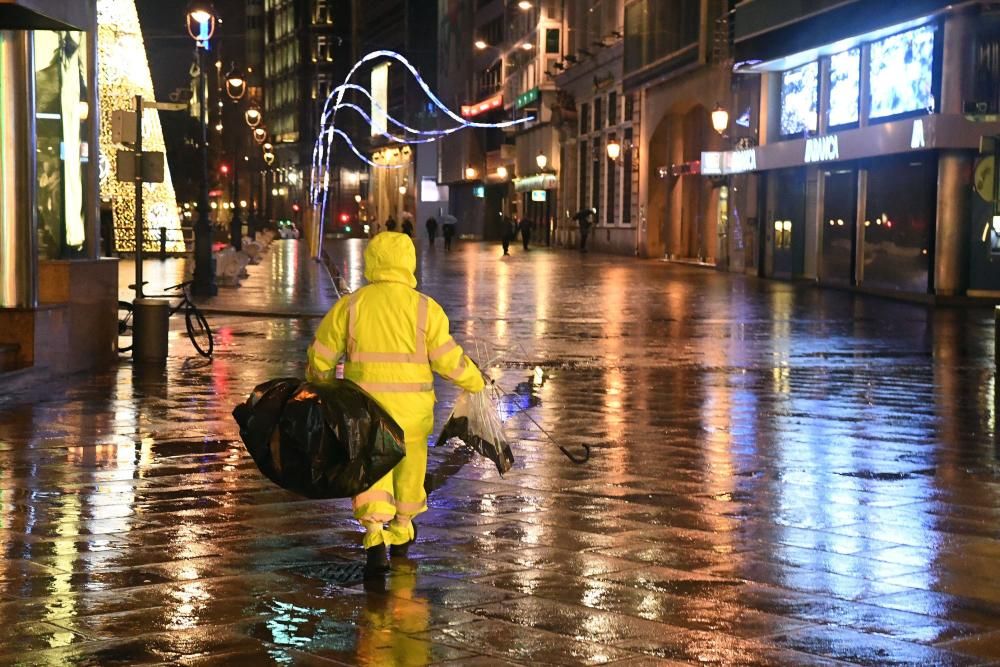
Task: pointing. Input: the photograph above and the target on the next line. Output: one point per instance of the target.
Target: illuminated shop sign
(538, 195)
(536, 182)
(734, 162)
(524, 99)
(822, 149)
(494, 102)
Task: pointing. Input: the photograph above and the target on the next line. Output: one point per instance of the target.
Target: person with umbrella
(448, 229)
(585, 219)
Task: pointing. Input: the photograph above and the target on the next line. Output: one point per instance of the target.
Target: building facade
(57, 296)
(308, 50)
(856, 146)
(497, 62)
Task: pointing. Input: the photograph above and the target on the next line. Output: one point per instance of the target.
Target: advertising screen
(902, 73)
(845, 87)
(799, 91)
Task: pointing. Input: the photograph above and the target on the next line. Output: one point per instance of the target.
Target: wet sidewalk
(781, 475)
(286, 282)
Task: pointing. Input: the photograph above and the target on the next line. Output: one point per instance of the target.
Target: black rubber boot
(377, 564)
(401, 550)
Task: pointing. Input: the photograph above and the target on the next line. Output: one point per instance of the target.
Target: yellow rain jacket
(393, 337)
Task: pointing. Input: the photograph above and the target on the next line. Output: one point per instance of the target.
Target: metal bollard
(163, 242)
(149, 338)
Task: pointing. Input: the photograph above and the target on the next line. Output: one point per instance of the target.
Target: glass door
(840, 206)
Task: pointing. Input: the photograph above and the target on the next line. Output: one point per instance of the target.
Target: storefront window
(840, 203)
(902, 73)
(799, 99)
(845, 87)
(63, 120)
(899, 217)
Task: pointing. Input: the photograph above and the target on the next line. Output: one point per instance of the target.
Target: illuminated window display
(799, 105)
(902, 73)
(845, 87)
(62, 117)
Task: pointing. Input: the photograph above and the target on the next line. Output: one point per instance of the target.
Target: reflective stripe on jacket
(393, 337)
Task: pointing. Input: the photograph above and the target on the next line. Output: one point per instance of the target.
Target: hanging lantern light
(236, 83)
(253, 115)
(201, 21)
(259, 135)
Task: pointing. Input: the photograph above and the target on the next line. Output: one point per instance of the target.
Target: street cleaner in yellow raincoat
(392, 337)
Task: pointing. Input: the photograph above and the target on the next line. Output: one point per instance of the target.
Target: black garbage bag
(475, 420)
(320, 441)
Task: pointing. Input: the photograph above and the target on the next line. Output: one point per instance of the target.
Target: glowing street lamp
(502, 172)
(260, 135)
(236, 83)
(201, 22)
(614, 149)
(269, 159)
(480, 44)
(541, 160)
(720, 119)
(524, 5)
(253, 116)
(470, 173)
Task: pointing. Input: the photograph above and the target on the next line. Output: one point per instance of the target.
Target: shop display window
(845, 88)
(901, 73)
(899, 222)
(799, 99)
(63, 126)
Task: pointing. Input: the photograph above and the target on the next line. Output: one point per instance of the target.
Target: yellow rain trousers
(393, 337)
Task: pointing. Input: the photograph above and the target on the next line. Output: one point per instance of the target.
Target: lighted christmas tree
(124, 73)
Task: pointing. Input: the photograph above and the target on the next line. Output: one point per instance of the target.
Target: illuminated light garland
(123, 72)
(319, 188)
(394, 137)
(350, 144)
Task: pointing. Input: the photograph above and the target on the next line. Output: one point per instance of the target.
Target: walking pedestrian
(585, 219)
(448, 230)
(390, 224)
(408, 227)
(393, 338)
(432, 229)
(525, 228)
(508, 233)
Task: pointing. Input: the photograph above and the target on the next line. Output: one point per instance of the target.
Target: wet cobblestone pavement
(780, 476)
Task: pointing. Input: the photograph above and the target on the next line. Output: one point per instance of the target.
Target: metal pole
(138, 198)
(204, 269)
(236, 224)
(251, 207)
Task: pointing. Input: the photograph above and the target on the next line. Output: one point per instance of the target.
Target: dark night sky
(171, 49)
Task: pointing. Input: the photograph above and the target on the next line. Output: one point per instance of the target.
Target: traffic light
(224, 169)
(296, 207)
(344, 217)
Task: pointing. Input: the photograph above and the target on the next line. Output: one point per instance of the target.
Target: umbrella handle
(579, 460)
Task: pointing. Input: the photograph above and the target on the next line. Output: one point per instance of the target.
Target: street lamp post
(201, 26)
(236, 88)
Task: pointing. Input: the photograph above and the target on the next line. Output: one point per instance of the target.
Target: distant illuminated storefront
(860, 176)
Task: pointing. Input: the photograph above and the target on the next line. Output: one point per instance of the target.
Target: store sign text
(733, 162)
(822, 149)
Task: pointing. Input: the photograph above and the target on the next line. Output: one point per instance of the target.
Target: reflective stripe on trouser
(396, 498)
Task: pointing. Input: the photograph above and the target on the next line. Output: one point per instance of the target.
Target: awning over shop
(47, 15)
(902, 136)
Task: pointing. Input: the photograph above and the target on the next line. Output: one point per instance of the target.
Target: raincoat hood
(391, 257)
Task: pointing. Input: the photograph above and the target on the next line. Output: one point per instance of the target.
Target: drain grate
(341, 574)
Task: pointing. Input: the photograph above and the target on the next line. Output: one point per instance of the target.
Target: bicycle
(197, 326)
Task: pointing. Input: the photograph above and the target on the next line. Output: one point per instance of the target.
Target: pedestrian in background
(508, 233)
(448, 230)
(525, 228)
(585, 219)
(390, 224)
(408, 227)
(432, 229)
(389, 318)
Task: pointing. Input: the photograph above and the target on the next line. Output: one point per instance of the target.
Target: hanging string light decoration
(123, 72)
(328, 132)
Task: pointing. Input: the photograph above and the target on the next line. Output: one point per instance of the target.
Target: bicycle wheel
(126, 325)
(199, 331)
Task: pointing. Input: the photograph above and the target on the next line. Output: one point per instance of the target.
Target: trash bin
(149, 337)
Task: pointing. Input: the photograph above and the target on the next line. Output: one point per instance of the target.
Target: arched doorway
(682, 211)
